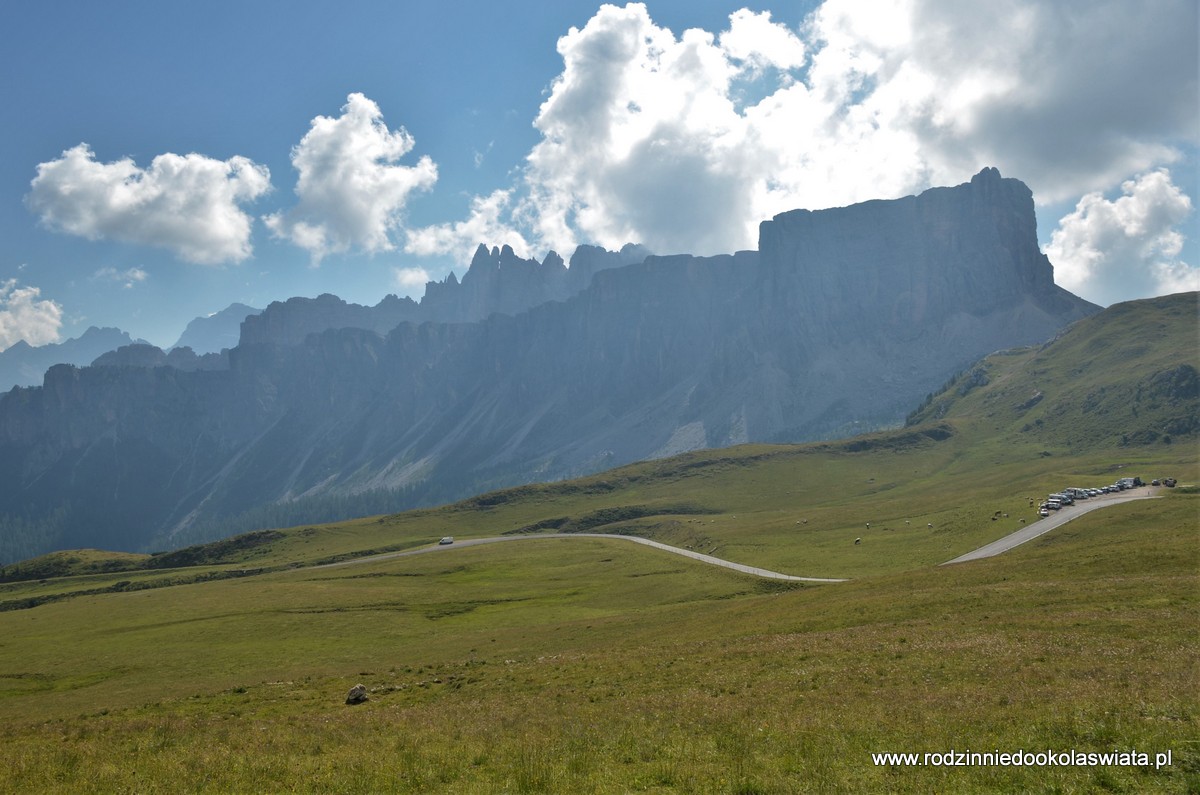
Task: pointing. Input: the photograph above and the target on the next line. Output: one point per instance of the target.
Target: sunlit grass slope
(1126, 378)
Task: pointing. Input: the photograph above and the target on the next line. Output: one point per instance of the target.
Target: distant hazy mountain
(217, 331)
(144, 354)
(497, 281)
(24, 365)
(842, 321)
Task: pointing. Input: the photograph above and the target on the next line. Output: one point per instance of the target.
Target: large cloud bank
(686, 142)
(24, 315)
(188, 204)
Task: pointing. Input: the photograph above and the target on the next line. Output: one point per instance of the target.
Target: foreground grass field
(583, 665)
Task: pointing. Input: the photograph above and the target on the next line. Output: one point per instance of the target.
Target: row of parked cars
(1070, 495)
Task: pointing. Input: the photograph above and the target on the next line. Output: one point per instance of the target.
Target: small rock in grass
(357, 694)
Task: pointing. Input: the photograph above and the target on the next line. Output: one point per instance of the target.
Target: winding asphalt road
(1057, 519)
(687, 553)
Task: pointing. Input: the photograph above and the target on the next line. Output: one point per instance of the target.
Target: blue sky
(548, 125)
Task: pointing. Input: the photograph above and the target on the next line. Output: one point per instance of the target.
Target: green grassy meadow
(585, 665)
(593, 665)
(596, 665)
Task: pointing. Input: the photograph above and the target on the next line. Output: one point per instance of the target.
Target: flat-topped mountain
(843, 321)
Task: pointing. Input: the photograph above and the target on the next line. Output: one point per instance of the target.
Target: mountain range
(496, 281)
(841, 321)
(22, 364)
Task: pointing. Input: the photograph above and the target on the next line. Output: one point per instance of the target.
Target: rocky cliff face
(906, 289)
(971, 248)
(842, 322)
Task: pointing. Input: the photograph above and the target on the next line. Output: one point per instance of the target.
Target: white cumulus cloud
(26, 316)
(641, 140)
(410, 279)
(1108, 251)
(188, 204)
(461, 238)
(759, 43)
(351, 188)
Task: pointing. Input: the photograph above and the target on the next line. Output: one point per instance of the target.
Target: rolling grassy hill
(594, 665)
(1124, 379)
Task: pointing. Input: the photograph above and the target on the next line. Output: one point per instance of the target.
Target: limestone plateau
(842, 321)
